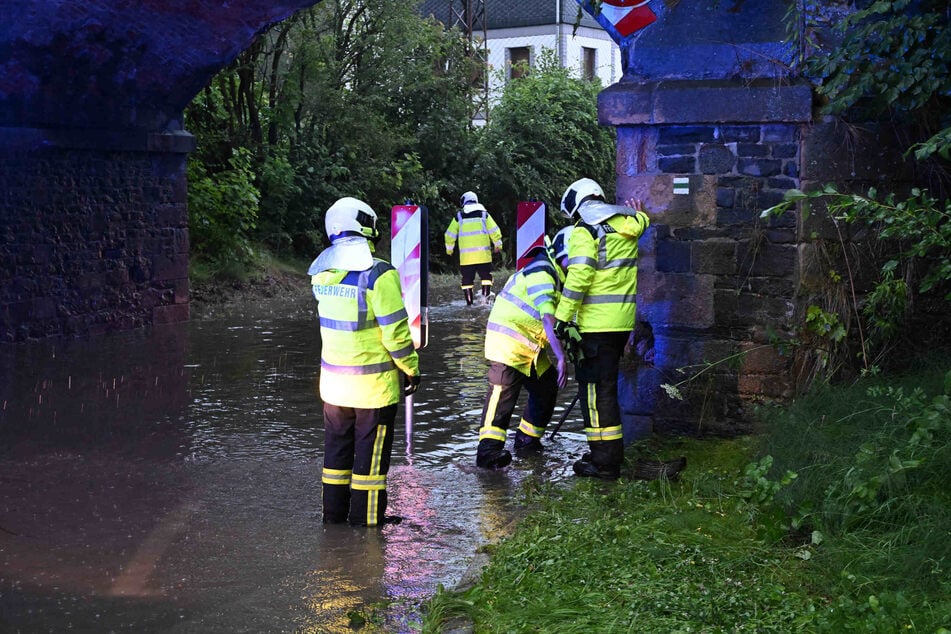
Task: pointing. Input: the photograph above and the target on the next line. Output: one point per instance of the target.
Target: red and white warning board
(409, 253)
(624, 17)
(530, 220)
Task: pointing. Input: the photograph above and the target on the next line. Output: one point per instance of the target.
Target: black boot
(492, 455)
(585, 469)
(603, 461)
(468, 293)
(526, 444)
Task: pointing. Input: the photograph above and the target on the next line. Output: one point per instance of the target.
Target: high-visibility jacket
(365, 338)
(515, 335)
(600, 288)
(477, 233)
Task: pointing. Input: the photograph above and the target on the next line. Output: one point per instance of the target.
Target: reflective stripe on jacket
(477, 234)
(601, 284)
(515, 335)
(365, 338)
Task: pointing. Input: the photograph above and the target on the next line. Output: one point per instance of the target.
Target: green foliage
(873, 460)
(714, 551)
(894, 59)
(919, 227)
(887, 63)
(542, 136)
(223, 209)
(916, 233)
(325, 112)
(759, 488)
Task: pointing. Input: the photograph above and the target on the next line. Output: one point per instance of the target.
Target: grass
(834, 519)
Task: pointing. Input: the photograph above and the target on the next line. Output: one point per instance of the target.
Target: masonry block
(762, 359)
(832, 153)
(676, 299)
(740, 133)
(673, 257)
(765, 259)
(759, 166)
(716, 159)
(716, 256)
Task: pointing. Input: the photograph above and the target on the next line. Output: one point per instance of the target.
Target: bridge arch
(712, 128)
(93, 216)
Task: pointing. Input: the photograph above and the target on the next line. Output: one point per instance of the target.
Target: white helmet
(350, 225)
(579, 191)
(468, 197)
(350, 217)
(559, 246)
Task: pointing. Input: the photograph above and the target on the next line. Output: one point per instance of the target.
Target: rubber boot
(603, 461)
(526, 444)
(492, 455)
(468, 293)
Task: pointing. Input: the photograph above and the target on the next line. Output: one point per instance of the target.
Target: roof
(505, 14)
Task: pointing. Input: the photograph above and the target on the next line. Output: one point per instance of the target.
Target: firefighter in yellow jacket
(519, 335)
(366, 347)
(478, 236)
(599, 300)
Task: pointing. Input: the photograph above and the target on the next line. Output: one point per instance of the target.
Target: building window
(589, 66)
(520, 60)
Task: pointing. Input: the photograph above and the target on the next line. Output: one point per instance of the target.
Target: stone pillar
(93, 231)
(717, 283)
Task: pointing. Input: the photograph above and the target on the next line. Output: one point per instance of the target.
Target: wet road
(168, 480)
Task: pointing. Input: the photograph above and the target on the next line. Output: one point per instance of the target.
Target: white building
(519, 31)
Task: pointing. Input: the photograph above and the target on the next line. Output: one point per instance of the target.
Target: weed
(834, 520)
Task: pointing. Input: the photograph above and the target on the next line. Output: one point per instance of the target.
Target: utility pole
(469, 17)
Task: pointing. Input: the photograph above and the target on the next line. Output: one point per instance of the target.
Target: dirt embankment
(283, 284)
(273, 284)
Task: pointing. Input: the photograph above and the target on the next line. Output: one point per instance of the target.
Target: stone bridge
(93, 217)
(711, 130)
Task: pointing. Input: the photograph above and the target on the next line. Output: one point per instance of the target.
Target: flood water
(168, 480)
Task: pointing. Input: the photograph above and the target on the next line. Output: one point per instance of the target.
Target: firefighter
(366, 347)
(519, 335)
(598, 301)
(478, 236)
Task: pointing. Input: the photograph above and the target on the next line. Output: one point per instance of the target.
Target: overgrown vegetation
(372, 100)
(835, 519)
(883, 64)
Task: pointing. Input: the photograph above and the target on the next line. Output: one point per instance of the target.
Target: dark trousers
(597, 376)
(468, 277)
(505, 384)
(358, 444)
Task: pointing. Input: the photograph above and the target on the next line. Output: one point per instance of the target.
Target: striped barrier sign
(621, 18)
(530, 219)
(409, 252)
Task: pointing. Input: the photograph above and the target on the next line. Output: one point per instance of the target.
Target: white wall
(567, 46)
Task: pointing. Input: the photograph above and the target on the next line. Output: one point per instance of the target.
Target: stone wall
(93, 232)
(93, 222)
(717, 283)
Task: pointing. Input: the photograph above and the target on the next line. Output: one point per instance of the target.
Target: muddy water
(168, 480)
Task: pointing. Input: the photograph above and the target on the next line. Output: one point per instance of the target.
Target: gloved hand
(410, 384)
(567, 332)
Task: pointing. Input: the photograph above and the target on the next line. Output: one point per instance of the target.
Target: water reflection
(168, 480)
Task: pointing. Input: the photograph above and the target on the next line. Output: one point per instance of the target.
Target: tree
(346, 98)
(542, 136)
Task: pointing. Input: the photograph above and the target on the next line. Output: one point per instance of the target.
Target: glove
(570, 338)
(410, 384)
